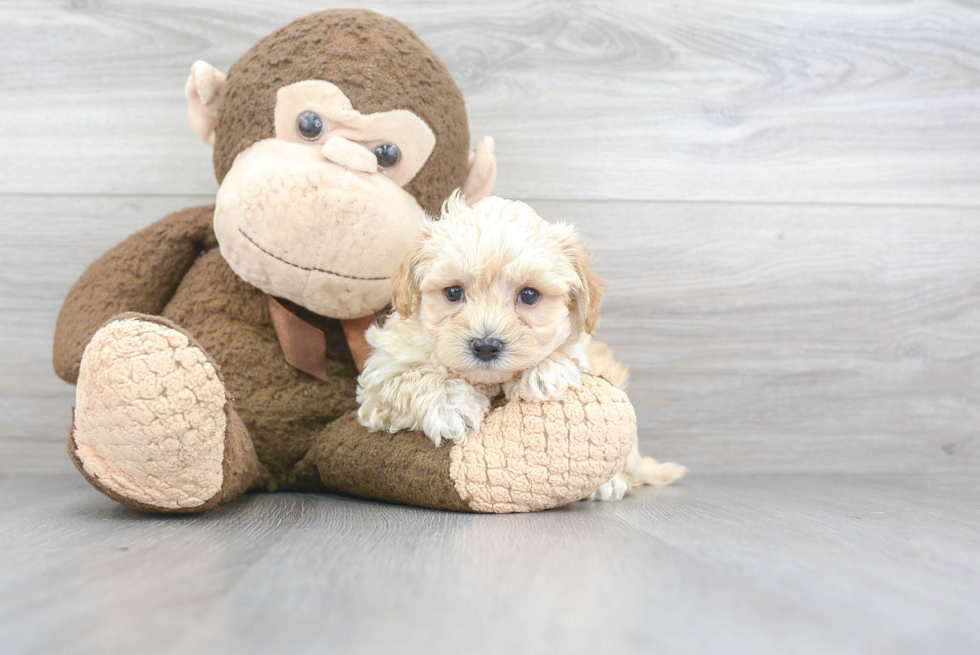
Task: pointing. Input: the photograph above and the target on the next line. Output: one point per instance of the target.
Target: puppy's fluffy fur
(494, 273)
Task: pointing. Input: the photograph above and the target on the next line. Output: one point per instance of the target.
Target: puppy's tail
(646, 470)
(638, 470)
(659, 474)
(604, 365)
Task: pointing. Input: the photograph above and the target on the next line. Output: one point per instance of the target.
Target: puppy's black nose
(487, 349)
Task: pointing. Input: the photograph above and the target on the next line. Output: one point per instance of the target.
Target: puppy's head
(496, 288)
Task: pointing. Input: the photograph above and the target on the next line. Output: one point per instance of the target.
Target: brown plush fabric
(241, 469)
(138, 275)
(282, 407)
(341, 46)
(399, 468)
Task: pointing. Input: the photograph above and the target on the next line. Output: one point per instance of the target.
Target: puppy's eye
(529, 296)
(309, 126)
(453, 294)
(388, 155)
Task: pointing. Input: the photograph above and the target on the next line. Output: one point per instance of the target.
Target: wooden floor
(823, 563)
(785, 200)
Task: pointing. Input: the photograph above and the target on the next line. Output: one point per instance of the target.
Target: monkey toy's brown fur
(161, 326)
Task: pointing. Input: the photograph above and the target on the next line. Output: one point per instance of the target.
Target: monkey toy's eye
(453, 294)
(310, 126)
(529, 296)
(388, 155)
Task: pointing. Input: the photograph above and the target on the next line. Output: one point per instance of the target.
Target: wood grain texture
(812, 101)
(732, 564)
(777, 337)
(784, 199)
(774, 338)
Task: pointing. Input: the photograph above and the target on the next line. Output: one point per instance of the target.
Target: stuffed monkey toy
(216, 351)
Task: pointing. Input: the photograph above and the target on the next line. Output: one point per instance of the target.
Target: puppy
(492, 299)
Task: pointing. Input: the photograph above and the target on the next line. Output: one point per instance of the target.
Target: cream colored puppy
(492, 299)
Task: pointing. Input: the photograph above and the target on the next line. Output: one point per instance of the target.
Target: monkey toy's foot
(525, 457)
(153, 428)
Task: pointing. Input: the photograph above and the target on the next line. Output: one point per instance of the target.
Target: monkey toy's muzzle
(299, 226)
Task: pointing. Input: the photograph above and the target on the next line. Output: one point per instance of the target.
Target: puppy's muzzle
(487, 350)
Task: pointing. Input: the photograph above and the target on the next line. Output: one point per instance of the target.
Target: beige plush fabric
(398, 126)
(205, 93)
(318, 259)
(150, 415)
(529, 456)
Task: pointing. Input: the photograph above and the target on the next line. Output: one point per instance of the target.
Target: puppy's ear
(586, 293)
(588, 298)
(403, 285)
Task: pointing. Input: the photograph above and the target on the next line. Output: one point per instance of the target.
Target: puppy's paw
(615, 489)
(549, 380)
(373, 417)
(454, 412)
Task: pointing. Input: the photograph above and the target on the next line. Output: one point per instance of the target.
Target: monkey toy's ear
(481, 171)
(205, 91)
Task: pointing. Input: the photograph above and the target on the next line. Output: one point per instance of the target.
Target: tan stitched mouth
(310, 268)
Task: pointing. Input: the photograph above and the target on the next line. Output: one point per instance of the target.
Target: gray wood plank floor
(785, 200)
(733, 564)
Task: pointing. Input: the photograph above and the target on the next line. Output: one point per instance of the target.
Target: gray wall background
(783, 197)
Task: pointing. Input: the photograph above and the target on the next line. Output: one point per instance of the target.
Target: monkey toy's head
(332, 136)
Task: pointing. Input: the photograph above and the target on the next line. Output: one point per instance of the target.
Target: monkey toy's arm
(140, 274)
(524, 457)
